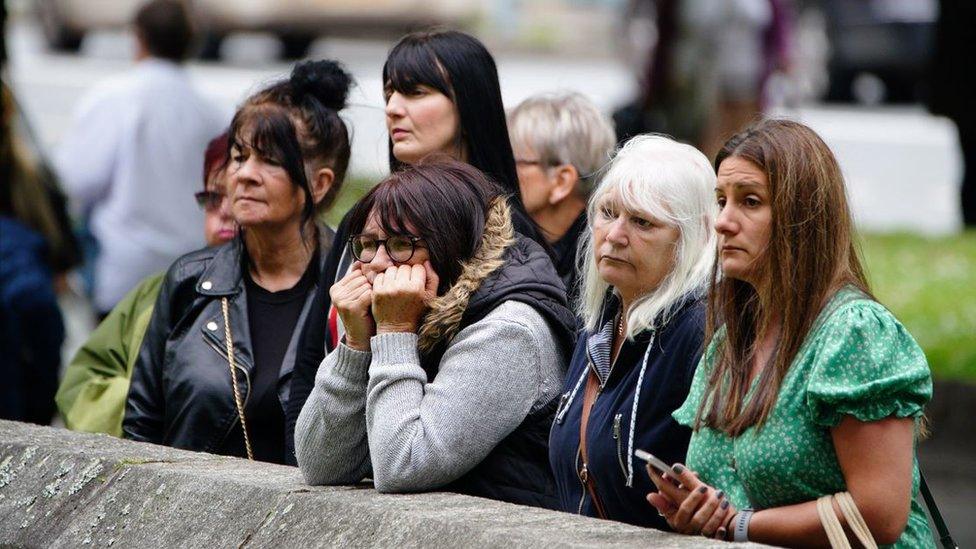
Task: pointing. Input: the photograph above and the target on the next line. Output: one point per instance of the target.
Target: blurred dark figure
(888, 40)
(752, 43)
(3, 34)
(132, 157)
(31, 328)
(672, 97)
(707, 73)
(953, 88)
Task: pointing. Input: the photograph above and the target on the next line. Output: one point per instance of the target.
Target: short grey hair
(564, 128)
(672, 182)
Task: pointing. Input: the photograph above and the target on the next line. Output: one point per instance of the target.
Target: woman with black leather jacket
(214, 370)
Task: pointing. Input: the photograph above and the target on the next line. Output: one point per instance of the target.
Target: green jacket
(92, 394)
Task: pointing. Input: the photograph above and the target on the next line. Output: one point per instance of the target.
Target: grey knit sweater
(374, 414)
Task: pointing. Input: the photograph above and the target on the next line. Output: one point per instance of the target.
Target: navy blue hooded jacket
(662, 371)
(31, 327)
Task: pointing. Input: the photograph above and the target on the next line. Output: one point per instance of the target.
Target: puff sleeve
(867, 366)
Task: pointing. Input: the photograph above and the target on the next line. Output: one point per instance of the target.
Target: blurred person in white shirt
(132, 157)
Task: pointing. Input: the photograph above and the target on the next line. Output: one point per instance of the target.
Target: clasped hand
(394, 301)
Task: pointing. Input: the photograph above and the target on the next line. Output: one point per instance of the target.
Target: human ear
(563, 182)
(321, 182)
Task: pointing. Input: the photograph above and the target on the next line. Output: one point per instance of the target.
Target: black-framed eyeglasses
(209, 201)
(400, 248)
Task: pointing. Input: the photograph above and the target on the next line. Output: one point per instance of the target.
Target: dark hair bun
(325, 80)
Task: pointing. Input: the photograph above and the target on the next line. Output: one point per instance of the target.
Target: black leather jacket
(180, 394)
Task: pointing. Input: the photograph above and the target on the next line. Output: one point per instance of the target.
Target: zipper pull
(616, 426)
(584, 474)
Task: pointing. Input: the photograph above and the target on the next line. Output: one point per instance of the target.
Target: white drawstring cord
(633, 415)
(569, 402)
(633, 412)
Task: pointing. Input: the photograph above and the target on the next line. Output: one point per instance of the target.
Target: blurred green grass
(353, 188)
(929, 283)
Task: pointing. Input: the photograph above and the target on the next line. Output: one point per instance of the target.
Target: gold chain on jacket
(233, 376)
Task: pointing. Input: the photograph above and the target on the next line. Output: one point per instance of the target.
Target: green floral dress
(858, 360)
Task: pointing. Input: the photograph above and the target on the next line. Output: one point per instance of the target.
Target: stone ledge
(65, 489)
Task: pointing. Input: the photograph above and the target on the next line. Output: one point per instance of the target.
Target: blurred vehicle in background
(879, 49)
(296, 23)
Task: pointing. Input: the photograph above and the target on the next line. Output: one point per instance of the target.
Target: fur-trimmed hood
(507, 266)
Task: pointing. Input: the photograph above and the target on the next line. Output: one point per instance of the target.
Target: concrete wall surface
(65, 489)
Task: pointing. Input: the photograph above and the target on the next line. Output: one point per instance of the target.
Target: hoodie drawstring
(569, 401)
(633, 412)
(633, 415)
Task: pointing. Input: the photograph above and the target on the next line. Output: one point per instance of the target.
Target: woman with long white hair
(647, 258)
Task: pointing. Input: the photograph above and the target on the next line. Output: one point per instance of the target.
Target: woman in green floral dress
(809, 386)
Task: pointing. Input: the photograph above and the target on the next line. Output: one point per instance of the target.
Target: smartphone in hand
(659, 464)
(655, 462)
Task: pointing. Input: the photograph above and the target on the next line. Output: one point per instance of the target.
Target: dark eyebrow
(746, 183)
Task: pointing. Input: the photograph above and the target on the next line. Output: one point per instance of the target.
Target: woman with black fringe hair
(457, 335)
(214, 370)
(447, 82)
(442, 96)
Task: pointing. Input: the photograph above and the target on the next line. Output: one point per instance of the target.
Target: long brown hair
(810, 255)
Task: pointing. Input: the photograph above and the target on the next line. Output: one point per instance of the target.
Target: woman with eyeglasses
(442, 97)
(457, 336)
(92, 394)
(561, 142)
(214, 371)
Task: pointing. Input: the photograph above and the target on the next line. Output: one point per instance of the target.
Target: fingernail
(720, 533)
(703, 489)
(679, 468)
(725, 505)
(720, 494)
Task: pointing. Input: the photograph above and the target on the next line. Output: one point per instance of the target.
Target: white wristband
(741, 532)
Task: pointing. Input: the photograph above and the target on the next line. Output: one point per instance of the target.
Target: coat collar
(444, 317)
(225, 272)
(223, 275)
